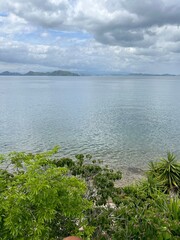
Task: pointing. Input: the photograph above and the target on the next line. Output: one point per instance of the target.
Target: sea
(126, 121)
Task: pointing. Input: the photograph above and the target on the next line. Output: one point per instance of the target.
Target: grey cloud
(92, 56)
(40, 13)
(127, 33)
(116, 21)
(174, 37)
(141, 16)
(54, 56)
(153, 12)
(123, 38)
(174, 47)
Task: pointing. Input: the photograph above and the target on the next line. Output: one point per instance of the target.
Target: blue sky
(90, 36)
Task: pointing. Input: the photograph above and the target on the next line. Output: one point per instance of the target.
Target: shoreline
(130, 176)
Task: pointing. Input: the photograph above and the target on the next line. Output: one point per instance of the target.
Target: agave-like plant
(166, 172)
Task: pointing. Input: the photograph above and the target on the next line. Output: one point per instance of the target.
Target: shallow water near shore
(125, 121)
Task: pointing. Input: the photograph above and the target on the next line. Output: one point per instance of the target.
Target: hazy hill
(7, 73)
(31, 73)
(67, 73)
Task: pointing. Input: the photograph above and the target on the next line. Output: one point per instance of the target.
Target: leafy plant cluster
(167, 173)
(40, 200)
(46, 197)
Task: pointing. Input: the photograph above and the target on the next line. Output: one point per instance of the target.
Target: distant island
(31, 73)
(148, 74)
(143, 74)
(68, 73)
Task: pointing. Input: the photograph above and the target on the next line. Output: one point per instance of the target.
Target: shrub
(47, 197)
(166, 172)
(40, 200)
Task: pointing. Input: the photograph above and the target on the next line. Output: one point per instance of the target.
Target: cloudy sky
(90, 36)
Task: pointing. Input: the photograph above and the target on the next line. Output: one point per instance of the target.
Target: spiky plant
(166, 172)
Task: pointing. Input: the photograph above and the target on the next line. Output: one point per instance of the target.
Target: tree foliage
(141, 211)
(44, 196)
(36, 194)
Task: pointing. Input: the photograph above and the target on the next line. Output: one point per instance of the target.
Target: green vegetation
(166, 172)
(40, 200)
(47, 197)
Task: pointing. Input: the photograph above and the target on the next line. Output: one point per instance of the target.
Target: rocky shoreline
(130, 176)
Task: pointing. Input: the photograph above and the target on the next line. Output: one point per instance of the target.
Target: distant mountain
(55, 73)
(31, 73)
(67, 73)
(7, 73)
(149, 74)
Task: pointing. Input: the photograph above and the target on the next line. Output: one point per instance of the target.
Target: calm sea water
(126, 121)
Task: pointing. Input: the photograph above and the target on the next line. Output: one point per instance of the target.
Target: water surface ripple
(127, 121)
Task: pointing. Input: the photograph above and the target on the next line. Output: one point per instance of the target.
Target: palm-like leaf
(167, 172)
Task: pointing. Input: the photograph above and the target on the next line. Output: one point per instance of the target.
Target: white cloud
(12, 24)
(126, 35)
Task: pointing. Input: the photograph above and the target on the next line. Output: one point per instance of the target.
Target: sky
(90, 36)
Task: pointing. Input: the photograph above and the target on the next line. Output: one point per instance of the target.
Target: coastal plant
(166, 172)
(146, 214)
(44, 196)
(38, 197)
(101, 190)
(133, 212)
(100, 179)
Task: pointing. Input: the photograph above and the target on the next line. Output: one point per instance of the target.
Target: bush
(40, 200)
(167, 173)
(47, 197)
(141, 211)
